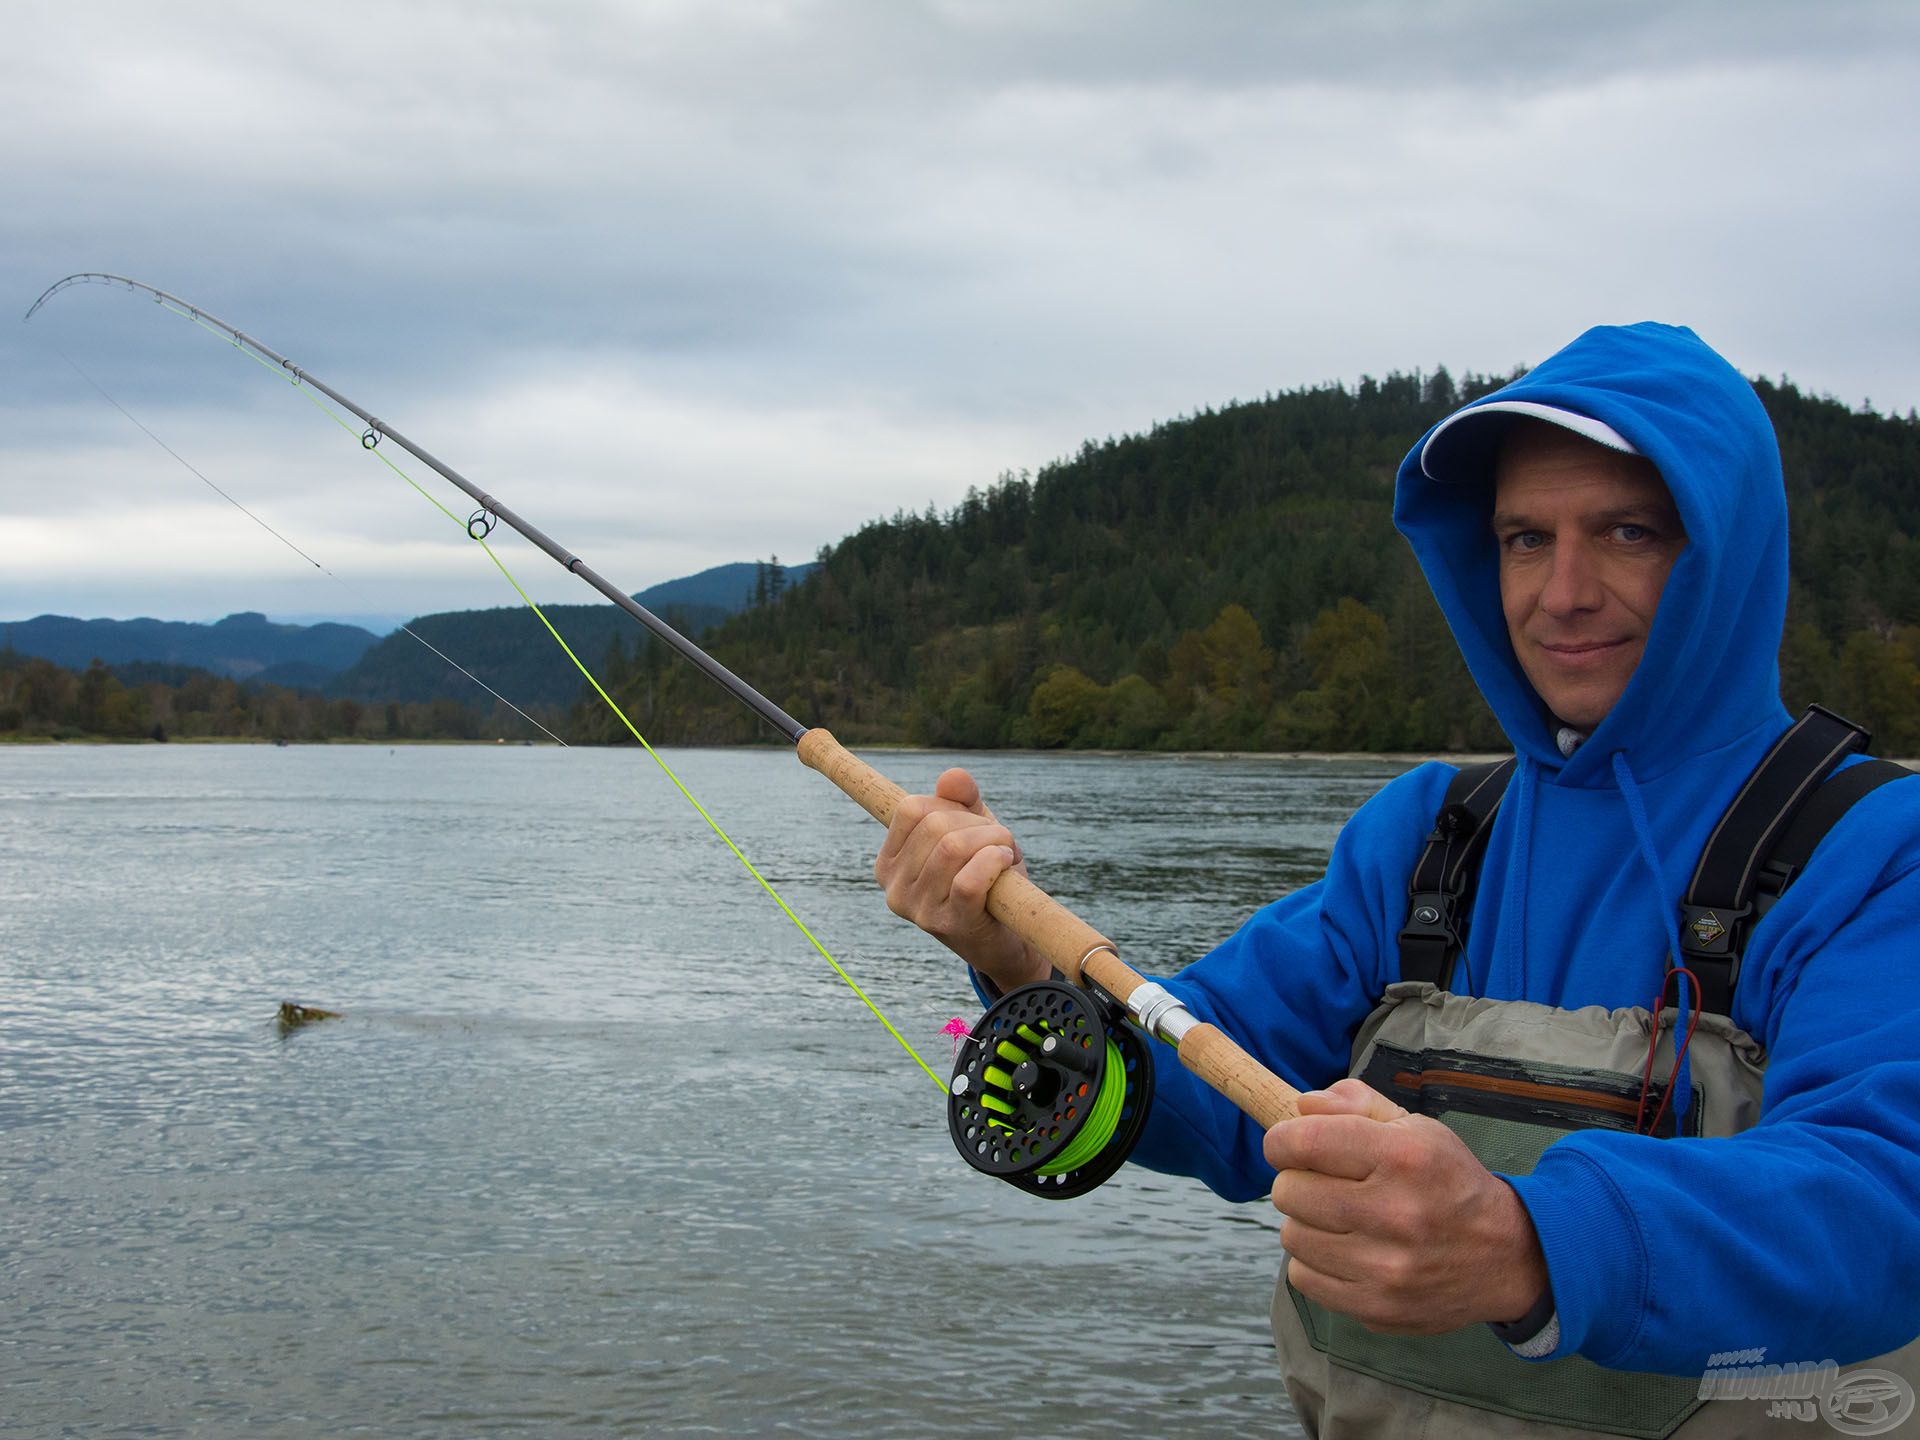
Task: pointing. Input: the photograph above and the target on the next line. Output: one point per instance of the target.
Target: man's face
(1587, 536)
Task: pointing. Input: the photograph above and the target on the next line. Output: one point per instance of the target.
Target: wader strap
(1761, 843)
(1440, 894)
(1763, 840)
(1829, 803)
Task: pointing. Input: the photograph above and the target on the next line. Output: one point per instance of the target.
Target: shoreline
(1389, 757)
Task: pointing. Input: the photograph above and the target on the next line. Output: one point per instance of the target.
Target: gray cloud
(730, 279)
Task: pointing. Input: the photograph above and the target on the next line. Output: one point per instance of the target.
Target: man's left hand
(1391, 1219)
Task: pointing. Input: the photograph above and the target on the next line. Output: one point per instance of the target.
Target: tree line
(41, 700)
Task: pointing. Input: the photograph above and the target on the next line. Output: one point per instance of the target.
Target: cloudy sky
(689, 281)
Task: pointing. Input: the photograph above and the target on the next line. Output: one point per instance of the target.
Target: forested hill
(1233, 580)
(512, 650)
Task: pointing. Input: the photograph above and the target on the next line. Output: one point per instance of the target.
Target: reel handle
(1072, 946)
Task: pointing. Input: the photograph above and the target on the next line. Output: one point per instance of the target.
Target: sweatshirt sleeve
(1292, 986)
(1800, 1236)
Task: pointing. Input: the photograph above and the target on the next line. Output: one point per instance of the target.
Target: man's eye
(1632, 534)
(1523, 540)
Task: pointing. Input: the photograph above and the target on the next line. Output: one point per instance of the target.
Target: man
(1607, 537)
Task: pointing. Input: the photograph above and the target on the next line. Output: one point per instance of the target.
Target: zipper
(1519, 1090)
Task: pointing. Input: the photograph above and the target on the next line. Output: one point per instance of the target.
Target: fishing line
(358, 595)
(477, 529)
(198, 474)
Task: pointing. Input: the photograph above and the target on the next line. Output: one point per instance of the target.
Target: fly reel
(1051, 1091)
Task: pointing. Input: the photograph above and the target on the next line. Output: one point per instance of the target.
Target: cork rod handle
(1069, 944)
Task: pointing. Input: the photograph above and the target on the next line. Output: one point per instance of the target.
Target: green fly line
(633, 730)
(1093, 1136)
(1094, 1133)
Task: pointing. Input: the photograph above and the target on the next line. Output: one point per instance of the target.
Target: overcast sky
(706, 280)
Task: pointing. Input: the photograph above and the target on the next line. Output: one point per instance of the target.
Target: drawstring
(1680, 1087)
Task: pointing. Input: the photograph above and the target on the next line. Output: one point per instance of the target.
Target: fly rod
(1055, 1086)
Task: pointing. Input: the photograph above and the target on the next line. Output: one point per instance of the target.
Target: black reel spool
(1051, 1092)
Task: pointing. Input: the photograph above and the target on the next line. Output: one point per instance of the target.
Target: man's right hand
(941, 855)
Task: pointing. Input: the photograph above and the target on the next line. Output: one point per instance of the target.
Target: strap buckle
(1707, 931)
(1428, 937)
(1707, 943)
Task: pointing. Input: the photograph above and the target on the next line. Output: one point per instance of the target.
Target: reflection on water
(599, 1146)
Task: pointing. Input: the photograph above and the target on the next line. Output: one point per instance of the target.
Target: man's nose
(1573, 585)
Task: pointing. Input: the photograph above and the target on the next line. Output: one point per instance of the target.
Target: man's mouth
(1577, 653)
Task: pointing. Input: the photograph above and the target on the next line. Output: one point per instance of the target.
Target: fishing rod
(1052, 1087)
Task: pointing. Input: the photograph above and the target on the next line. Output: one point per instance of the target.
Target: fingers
(1396, 1222)
(1328, 1204)
(1418, 1263)
(972, 881)
(962, 789)
(1375, 1306)
(927, 843)
(942, 854)
(919, 823)
(907, 816)
(1350, 1147)
(1310, 1280)
(1343, 1130)
(1350, 1097)
(954, 788)
(943, 845)
(940, 859)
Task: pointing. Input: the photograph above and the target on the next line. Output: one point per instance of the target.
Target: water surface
(600, 1145)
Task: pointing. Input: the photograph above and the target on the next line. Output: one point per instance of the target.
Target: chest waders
(1510, 1077)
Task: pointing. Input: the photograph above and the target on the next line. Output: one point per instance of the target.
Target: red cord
(1641, 1124)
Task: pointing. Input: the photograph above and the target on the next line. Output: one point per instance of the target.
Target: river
(599, 1145)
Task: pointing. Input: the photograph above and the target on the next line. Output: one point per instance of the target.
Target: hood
(1710, 672)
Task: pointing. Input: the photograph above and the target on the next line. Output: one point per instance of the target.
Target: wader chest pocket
(1451, 1085)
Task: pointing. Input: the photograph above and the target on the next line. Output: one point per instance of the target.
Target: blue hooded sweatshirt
(1800, 1235)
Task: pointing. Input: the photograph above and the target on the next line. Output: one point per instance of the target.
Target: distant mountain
(510, 649)
(507, 648)
(725, 588)
(242, 646)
